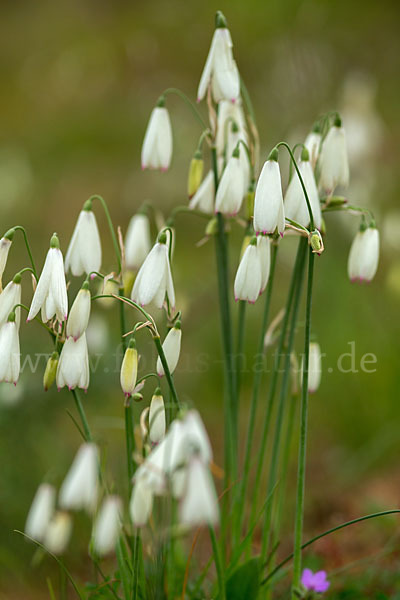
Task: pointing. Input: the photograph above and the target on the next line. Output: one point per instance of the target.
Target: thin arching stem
(28, 248)
(188, 102)
(111, 228)
(81, 411)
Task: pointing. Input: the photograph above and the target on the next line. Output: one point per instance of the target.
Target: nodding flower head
(364, 254)
(157, 143)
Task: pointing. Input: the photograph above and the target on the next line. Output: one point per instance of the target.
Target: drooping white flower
(137, 241)
(9, 297)
(80, 487)
(129, 369)
(157, 143)
(268, 203)
(333, 161)
(364, 255)
(203, 199)
(264, 251)
(314, 367)
(73, 366)
(220, 68)
(58, 532)
(231, 187)
(172, 349)
(295, 202)
(84, 250)
(51, 291)
(313, 144)
(5, 245)
(141, 503)
(10, 358)
(107, 525)
(79, 314)
(154, 280)
(157, 417)
(230, 113)
(199, 505)
(248, 277)
(41, 512)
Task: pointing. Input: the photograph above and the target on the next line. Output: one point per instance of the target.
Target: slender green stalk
(168, 375)
(81, 411)
(276, 446)
(256, 389)
(274, 381)
(28, 248)
(188, 102)
(239, 348)
(328, 532)
(136, 554)
(218, 565)
(111, 228)
(298, 534)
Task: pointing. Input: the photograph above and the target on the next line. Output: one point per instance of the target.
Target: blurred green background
(79, 80)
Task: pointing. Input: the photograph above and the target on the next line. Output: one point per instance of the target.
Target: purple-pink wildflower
(315, 582)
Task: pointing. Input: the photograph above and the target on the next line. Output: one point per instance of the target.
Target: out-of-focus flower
(80, 487)
(333, 161)
(141, 503)
(73, 366)
(51, 291)
(172, 349)
(41, 512)
(84, 250)
(364, 255)
(107, 525)
(137, 241)
(154, 280)
(157, 143)
(220, 69)
(313, 144)
(157, 417)
(199, 504)
(315, 582)
(58, 532)
(295, 202)
(269, 213)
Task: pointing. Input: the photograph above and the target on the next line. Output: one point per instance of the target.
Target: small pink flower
(315, 582)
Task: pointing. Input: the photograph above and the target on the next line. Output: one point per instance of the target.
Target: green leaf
(244, 581)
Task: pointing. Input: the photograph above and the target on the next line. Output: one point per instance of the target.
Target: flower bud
(172, 348)
(195, 173)
(157, 417)
(50, 372)
(78, 318)
(314, 367)
(364, 254)
(129, 369)
(40, 512)
(58, 533)
(212, 227)
(316, 243)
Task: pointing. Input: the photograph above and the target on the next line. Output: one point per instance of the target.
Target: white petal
(203, 199)
(141, 503)
(80, 487)
(230, 190)
(137, 241)
(248, 277)
(58, 285)
(200, 503)
(78, 318)
(172, 348)
(43, 286)
(151, 276)
(268, 203)
(41, 512)
(107, 526)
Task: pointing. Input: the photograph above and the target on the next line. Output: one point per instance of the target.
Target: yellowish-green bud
(249, 203)
(212, 227)
(316, 243)
(129, 369)
(195, 173)
(245, 243)
(50, 371)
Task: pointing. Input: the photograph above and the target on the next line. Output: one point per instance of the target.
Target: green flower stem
(239, 346)
(188, 102)
(218, 565)
(298, 534)
(136, 555)
(255, 392)
(81, 411)
(168, 375)
(28, 248)
(274, 380)
(328, 532)
(185, 209)
(111, 228)
(276, 446)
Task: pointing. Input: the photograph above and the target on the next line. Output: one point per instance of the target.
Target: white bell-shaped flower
(141, 503)
(58, 533)
(203, 199)
(73, 365)
(231, 187)
(137, 241)
(9, 297)
(220, 68)
(248, 277)
(154, 280)
(295, 202)
(313, 145)
(5, 245)
(10, 357)
(80, 487)
(41, 512)
(269, 213)
(264, 251)
(51, 291)
(157, 143)
(230, 113)
(157, 417)
(107, 526)
(364, 255)
(314, 367)
(333, 160)
(172, 349)
(79, 314)
(84, 250)
(199, 505)
(129, 369)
